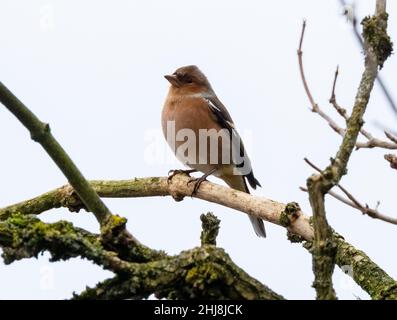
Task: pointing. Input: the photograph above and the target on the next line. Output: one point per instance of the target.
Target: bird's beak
(173, 80)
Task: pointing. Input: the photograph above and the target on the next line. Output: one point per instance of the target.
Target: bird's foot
(173, 173)
(197, 182)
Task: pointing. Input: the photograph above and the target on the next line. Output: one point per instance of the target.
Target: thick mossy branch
(324, 246)
(25, 236)
(372, 279)
(206, 272)
(367, 274)
(210, 228)
(115, 237)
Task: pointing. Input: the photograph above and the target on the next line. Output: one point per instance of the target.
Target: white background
(94, 70)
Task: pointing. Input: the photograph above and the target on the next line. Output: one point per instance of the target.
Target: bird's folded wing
(239, 156)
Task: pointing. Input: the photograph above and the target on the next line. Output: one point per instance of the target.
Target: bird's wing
(222, 116)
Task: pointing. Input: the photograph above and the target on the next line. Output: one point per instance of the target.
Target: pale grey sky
(94, 70)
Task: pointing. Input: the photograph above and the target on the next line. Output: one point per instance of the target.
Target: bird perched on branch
(201, 133)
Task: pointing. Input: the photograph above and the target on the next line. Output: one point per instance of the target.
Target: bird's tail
(238, 182)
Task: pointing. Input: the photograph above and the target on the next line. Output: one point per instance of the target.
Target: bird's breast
(194, 135)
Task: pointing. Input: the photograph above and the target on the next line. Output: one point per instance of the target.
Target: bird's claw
(197, 183)
(173, 173)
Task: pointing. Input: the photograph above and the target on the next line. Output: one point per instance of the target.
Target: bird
(191, 110)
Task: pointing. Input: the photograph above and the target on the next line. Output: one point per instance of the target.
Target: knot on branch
(290, 213)
(294, 238)
(392, 160)
(210, 228)
(375, 36)
(112, 230)
(70, 199)
(40, 132)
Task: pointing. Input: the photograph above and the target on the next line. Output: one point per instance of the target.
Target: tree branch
(359, 39)
(40, 132)
(25, 236)
(375, 281)
(377, 49)
(323, 245)
(372, 142)
(289, 216)
(178, 188)
(205, 272)
(364, 209)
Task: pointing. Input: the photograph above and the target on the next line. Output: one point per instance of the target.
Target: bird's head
(190, 78)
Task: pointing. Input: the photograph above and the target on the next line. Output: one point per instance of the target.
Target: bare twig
(342, 111)
(390, 136)
(373, 213)
(371, 142)
(314, 106)
(305, 85)
(348, 194)
(376, 143)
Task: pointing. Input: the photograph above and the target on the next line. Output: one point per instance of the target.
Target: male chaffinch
(202, 134)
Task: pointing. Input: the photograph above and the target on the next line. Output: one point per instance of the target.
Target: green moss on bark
(210, 228)
(375, 34)
(25, 236)
(205, 272)
(289, 214)
(368, 275)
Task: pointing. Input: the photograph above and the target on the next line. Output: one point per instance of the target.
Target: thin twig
(305, 85)
(373, 213)
(333, 101)
(347, 193)
(352, 201)
(371, 142)
(390, 136)
(314, 106)
(342, 111)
